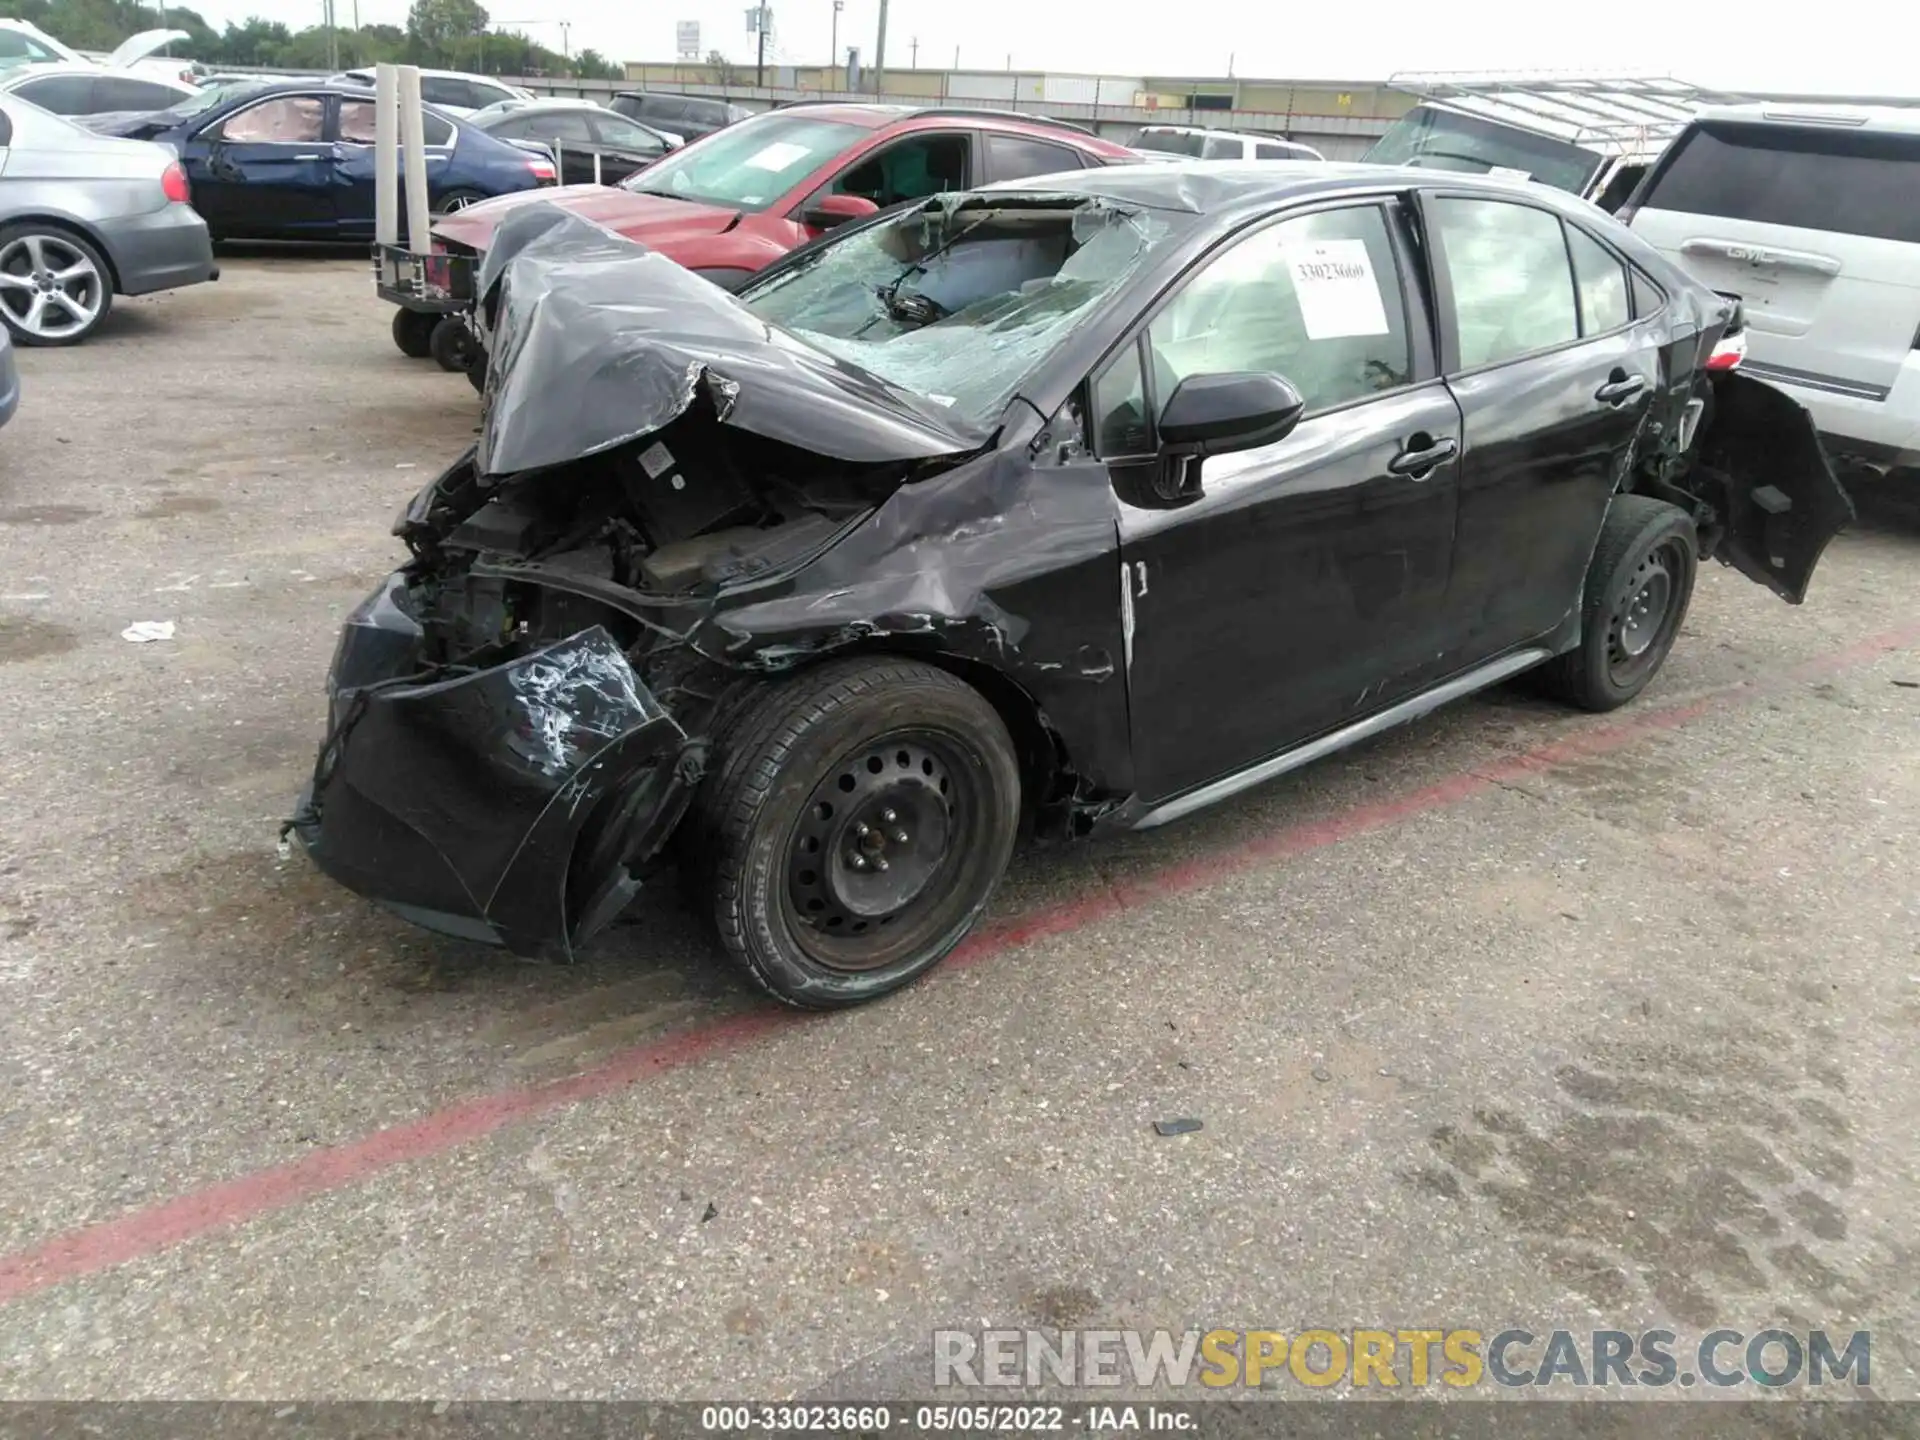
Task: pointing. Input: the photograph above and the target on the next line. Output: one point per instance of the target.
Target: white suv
(1200, 143)
(1811, 215)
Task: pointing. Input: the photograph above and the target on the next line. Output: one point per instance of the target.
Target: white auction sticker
(777, 156)
(1334, 282)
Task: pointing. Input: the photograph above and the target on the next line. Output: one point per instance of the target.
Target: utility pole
(760, 65)
(913, 53)
(880, 52)
(833, 49)
(566, 39)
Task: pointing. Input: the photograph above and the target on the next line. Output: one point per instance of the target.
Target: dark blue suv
(291, 160)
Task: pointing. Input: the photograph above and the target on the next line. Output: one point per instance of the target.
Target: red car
(731, 203)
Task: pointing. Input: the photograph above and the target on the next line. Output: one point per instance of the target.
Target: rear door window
(62, 94)
(120, 92)
(1011, 157)
(357, 119)
(442, 90)
(1512, 285)
(1224, 147)
(1844, 181)
(1601, 279)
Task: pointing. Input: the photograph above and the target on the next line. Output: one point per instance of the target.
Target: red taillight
(543, 171)
(173, 180)
(1728, 354)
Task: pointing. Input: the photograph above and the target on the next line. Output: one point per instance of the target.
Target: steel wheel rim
(457, 202)
(49, 287)
(1642, 622)
(853, 886)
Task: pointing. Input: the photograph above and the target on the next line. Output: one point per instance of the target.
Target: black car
(688, 116)
(1076, 504)
(592, 146)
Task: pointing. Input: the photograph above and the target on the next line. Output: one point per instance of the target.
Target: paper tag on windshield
(1510, 173)
(777, 156)
(656, 460)
(1334, 282)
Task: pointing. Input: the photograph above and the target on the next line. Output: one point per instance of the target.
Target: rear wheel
(1638, 586)
(853, 828)
(413, 332)
(54, 287)
(457, 200)
(453, 344)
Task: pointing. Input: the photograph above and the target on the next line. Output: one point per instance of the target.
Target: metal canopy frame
(1628, 117)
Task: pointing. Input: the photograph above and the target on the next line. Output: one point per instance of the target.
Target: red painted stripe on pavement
(101, 1246)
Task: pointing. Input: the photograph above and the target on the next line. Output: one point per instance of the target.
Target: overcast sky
(1851, 50)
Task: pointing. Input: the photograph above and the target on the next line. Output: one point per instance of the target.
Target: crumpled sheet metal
(598, 341)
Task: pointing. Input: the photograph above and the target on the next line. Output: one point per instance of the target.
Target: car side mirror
(832, 210)
(1238, 410)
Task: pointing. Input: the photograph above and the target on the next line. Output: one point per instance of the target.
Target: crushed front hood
(596, 340)
(640, 217)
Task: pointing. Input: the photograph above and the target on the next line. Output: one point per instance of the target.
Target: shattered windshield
(958, 300)
(210, 96)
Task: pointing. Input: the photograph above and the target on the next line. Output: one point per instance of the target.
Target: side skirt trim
(1412, 708)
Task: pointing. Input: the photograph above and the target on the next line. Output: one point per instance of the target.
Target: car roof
(1886, 119)
(1213, 186)
(876, 115)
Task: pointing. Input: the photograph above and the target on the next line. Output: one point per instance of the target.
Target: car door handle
(1620, 389)
(1419, 460)
(306, 157)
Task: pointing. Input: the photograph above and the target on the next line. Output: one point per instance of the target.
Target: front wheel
(1638, 585)
(853, 828)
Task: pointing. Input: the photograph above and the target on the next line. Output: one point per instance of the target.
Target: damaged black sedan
(1066, 506)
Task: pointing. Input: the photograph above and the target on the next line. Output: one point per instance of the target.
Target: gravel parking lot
(1513, 1017)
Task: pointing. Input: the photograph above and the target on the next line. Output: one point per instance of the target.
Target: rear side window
(1169, 142)
(62, 94)
(1224, 147)
(1268, 150)
(1602, 282)
(440, 90)
(1512, 287)
(1009, 157)
(114, 92)
(664, 107)
(1842, 181)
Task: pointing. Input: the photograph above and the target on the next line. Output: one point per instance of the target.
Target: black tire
(457, 200)
(808, 769)
(1638, 586)
(413, 332)
(31, 317)
(453, 344)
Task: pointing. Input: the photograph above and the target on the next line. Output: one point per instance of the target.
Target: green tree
(437, 25)
(592, 65)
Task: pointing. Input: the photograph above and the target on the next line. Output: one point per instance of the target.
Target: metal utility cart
(1594, 135)
(433, 290)
(434, 293)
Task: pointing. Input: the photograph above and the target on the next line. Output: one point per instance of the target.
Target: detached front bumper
(510, 804)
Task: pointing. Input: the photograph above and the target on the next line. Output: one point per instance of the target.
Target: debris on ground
(141, 631)
(1175, 1127)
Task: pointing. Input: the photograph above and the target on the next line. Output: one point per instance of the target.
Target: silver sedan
(83, 218)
